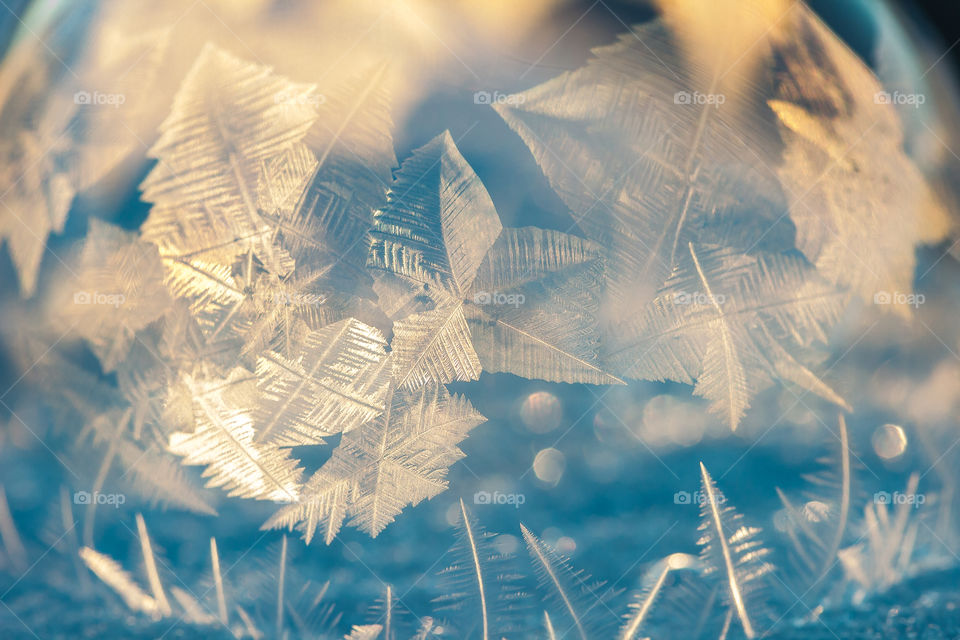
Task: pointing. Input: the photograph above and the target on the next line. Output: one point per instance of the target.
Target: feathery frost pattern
(297, 294)
(888, 544)
(816, 527)
(54, 145)
(678, 594)
(429, 242)
(110, 571)
(735, 552)
(466, 292)
(483, 587)
(224, 441)
(336, 384)
(643, 172)
(579, 604)
(859, 203)
(352, 142)
(258, 231)
(648, 598)
(536, 307)
(726, 320)
(160, 479)
(397, 459)
(649, 165)
(227, 120)
(118, 270)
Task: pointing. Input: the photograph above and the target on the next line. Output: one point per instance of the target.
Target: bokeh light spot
(549, 465)
(889, 441)
(541, 412)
